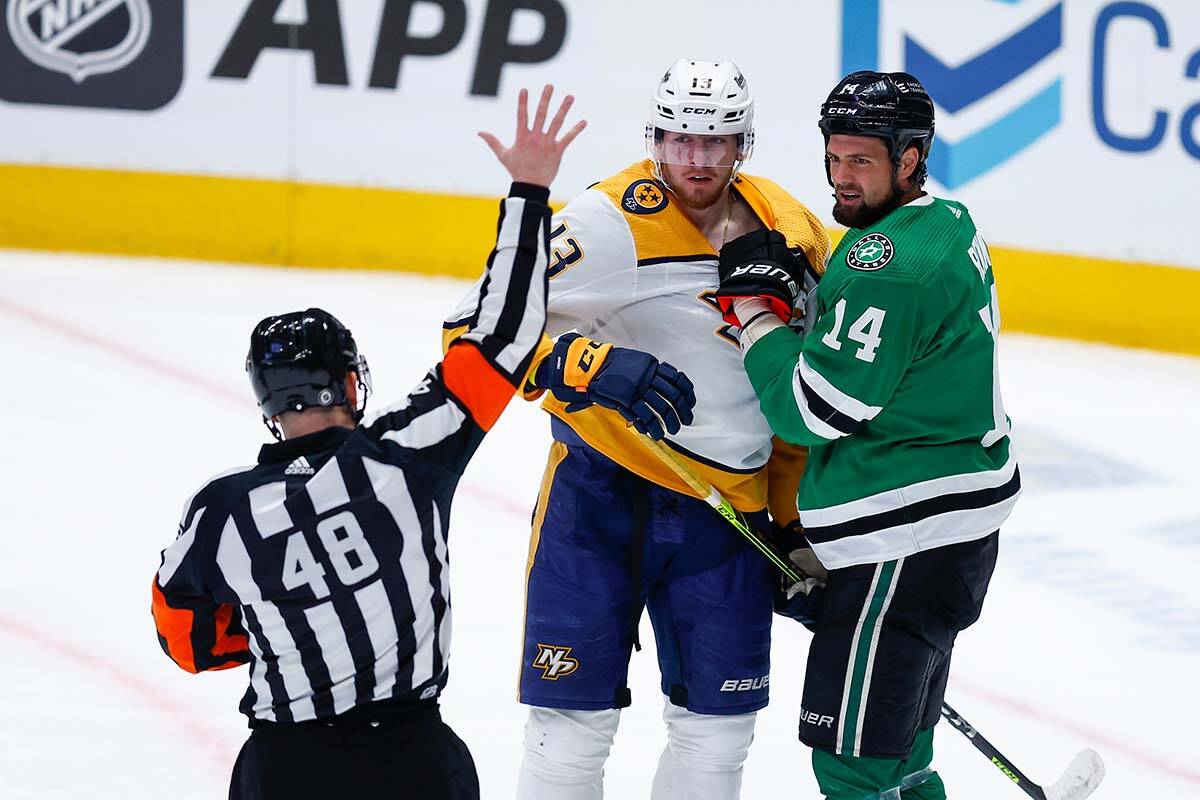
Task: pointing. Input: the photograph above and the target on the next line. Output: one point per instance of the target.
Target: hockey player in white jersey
(633, 269)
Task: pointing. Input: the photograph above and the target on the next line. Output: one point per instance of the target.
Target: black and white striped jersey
(325, 565)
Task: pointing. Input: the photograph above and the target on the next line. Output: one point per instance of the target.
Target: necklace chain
(728, 216)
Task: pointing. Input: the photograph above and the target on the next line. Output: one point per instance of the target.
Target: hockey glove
(652, 396)
(803, 600)
(760, 264)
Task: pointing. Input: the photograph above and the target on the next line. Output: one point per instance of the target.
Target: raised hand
(536, 153)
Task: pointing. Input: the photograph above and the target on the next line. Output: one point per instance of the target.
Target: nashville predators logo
(644, 197)
(554, 661)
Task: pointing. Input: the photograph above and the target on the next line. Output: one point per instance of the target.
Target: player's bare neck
(724, 220)
(313, 420)
(707, 218)
(743, 220)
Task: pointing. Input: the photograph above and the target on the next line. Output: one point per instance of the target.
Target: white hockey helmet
(704, 98)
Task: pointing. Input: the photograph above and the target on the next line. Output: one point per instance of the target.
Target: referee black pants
(418, 756)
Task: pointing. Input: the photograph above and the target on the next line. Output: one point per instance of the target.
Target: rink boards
(316, 225)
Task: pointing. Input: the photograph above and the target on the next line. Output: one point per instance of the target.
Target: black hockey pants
(417, 756)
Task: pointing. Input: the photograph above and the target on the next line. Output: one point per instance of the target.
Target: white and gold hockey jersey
(627, 266)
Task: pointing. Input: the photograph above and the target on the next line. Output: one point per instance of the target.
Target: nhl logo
(80, 37)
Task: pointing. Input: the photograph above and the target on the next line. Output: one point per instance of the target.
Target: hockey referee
(324, 565)
(895, 390)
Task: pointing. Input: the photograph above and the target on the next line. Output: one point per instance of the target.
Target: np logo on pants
(554, 661)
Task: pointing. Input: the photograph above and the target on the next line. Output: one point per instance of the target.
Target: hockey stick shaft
(997, 758)
(723, 507)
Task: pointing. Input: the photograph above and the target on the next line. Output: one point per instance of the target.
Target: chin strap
(273, 427)
(358, 413)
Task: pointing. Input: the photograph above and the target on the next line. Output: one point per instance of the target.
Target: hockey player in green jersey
(910, 475)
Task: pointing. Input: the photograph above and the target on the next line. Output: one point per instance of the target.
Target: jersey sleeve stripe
(511, 316)
(431, 427)
(834, 397)
(476, 383)
(818, 416)
(523, 292)
(174, 555)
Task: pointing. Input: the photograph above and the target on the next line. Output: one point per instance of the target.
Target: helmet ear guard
(892, 106)
(300, 360)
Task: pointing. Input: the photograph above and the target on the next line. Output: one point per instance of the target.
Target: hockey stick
(1079, 780)
(1083, 774)
(722, 506)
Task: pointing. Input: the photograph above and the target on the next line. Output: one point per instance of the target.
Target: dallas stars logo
(870, 253)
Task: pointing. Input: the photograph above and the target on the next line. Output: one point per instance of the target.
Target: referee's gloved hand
(652, 396)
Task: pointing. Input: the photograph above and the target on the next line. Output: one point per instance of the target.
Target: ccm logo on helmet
(701, 111)
(767, 269)
(842, 112)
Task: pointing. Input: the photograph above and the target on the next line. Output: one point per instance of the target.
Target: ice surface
(125, 391)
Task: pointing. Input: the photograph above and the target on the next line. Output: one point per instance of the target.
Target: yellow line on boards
(246, 220)
(316, 225)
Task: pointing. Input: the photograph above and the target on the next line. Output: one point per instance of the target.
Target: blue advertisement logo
(954, 88)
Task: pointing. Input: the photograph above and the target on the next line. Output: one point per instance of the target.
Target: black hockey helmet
(300, 360)
(892, 106)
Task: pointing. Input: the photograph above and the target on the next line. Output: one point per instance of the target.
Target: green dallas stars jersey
(895, 390)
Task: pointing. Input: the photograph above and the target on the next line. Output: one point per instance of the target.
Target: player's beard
(699, 197)
(866, 214)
